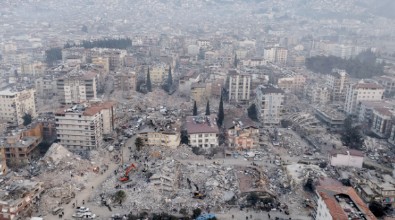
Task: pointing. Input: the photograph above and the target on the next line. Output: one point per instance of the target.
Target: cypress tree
(169, 79)
(235, 62)
(221, 115)
(208, 108)
(148, 82)
(195, 109)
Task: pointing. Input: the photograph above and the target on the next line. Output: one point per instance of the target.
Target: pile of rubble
(187, 182)
(64, 174)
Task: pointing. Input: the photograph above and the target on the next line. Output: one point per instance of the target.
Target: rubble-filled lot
(64, 174)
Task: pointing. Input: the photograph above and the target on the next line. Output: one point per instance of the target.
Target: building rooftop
(85, 109)
(267, 89)
(344, 203)
(201, 124)
(367, 86)
(351, 152)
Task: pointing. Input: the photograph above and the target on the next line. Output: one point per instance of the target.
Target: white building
(276, 55)
(14, 104)
(269, 102)
(362, 91)
(77, 87)
(202, 131)
(336, 202)
(81, 127)
(169, 139)
(239, 87)
(349, 158)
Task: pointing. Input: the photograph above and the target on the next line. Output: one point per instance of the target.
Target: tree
(252, 112)
(221, 114)
(196, 213)
(377, 209)
(84, 28)
(195, 111)
(351, 135)
(184, 137)
(27, 119)
(309, 185)
(139, 143)
(252, 198)
(235, 61)
(208, 108)
(120, 196)
(169, 79)
(285, 123)
(148, 82)
(52, 55)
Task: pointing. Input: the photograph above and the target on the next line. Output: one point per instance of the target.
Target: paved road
(95, 182)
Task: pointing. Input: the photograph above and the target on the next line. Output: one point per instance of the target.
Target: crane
(127, 171)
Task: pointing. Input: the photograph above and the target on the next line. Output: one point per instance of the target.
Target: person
(92, 187)
(268, 215)
(83, 202)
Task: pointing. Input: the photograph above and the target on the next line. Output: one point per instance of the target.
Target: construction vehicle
(125, 178)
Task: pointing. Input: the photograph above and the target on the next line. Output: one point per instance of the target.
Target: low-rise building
(202, 131)
(19, 147)
(17, 198)
(346, 157)
(340, 202)
(242, 133)
(170, 139)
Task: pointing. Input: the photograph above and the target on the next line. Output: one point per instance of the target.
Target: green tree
(195, 110)
(120, 196)
(52, 55)
(235, 61)
(377, 209)
(148, 82)
(139, 143)
(252, 198)
(84, 28)
(27, 119)
(252, 112)
(351, 135)
(208, 108)
(196, 213)
(221, 114)
(169, 78)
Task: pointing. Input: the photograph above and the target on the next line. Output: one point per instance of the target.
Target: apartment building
(102, 61)
(382, 122)
(46, 86)
(199, 93)
(77, 87)
(18, 197)
(334, 201)
(239, 87)
(169, 139)
(15, 103)
(19, 147)
(317, 94)
(269, 102)
(158, 74)
(291, 83)
(81, 127)
(126, 81)
(362, 91)
(202, 131)
(276, 55)
(388, 82)
(337, 82)
(242, 133)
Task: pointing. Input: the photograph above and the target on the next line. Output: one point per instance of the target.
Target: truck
(125, 177)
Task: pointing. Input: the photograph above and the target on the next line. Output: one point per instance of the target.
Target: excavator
(125, 178)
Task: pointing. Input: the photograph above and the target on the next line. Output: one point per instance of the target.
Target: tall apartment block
(239, 87)
(81, 127)
(14, 104)
(77, 88)
(269, 102)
